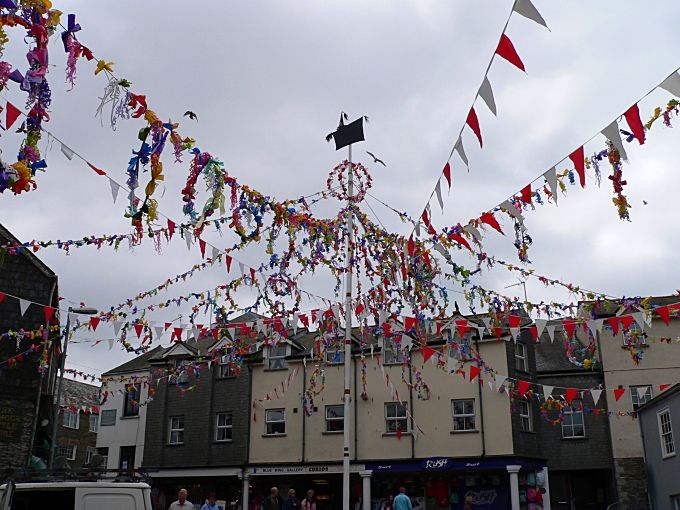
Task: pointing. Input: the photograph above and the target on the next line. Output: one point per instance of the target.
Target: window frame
(66, 422)
(634, 397)
(627, 336)
(109, 412)
(464, 416)
(665, 454)
(336, 351)
(229, 427)
(278, 358)
(334, 419)
(268, 422)
(675, 501)
(222, 365)
(100, 450)
(94, 429)
(390, 347)
(74, 450)
(176, 430)
(523, 357)
(571, 413)
(131, 410)
(529, 418)
(398, 418)
(89, 452)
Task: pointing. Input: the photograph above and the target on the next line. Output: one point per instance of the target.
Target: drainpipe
(480, 393)
(304, 414)
(250, 403)
(356, 399)
(410, 405)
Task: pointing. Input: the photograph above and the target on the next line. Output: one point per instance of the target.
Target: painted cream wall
(126, 431)
(660, 365)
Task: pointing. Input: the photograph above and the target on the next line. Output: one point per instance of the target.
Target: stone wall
(631, 483)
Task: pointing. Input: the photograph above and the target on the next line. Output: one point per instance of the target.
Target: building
(78, 423)
(123, 413)
(638, 361)
(26, 394)
(577, 442)
(659, 419)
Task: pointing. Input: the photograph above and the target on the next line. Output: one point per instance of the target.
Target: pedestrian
(389, 503)
(402, 501)
(181, 503)
(211, 504)
(273, 502)
(309, 503)
(468, 503)
(292, 503)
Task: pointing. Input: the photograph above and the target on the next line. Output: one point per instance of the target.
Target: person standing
(273, 502)
(309, 503)
(292, 503)
(389, 503)
(211, 503)
(181, 503)
(402, 501)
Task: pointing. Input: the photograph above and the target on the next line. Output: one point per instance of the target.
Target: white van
(78, 496)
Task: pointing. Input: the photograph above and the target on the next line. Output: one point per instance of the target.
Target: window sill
(227, 377)
(274, 435)
(575, 438)
(528, 432)
(473, 431)
(174, 444)
(666, 457)
(71, 428)
(275, 369)
(640, 346)
(394, 434)
(222, 441)
(332, 432)
(393, 364)
(136, 417)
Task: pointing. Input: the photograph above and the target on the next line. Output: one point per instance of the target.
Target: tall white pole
(348, 337)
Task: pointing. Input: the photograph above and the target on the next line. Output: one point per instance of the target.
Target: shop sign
(446, 463)
(436, 464)
(301, 470)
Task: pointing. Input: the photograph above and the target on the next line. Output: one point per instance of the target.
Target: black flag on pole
(347, 134)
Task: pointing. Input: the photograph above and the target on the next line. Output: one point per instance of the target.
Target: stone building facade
(78, 422)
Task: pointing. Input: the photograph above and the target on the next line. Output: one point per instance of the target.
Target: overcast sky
(267, 80)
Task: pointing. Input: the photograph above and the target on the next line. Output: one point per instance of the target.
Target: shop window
(67, 451)
(176, 430)
(520, 357)
(395, 418)
(275, 422)
(335, 356)
(71, 419)
(335, 418)
(666, 433)
(276, 357)
(639, 395)
(573, 424)
(108, 418)
(525, 415)
(392, 355)
(223, 427)
(463, 414)
(132, 395)
(94, 423)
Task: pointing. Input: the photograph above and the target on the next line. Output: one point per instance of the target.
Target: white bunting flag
(473, 232)
(115, 188)
(648, 317)
(551, 177)
(547, 391)
(515, 333)
(242, 269)
(417, 229)
(196, 332)
(110, 343)
(612, 133)
(461, 152)
(486, 93)
(215, 254)
(480, 332)
(596, 395)
(159, 331)
(595, 326)
(528, 10)
(295, 322)
(500, 380)
(187, 238)
(372, 351)
(640, 319)
(406, 342)
(540, 326)
(551, 332)
(66, 151)
(487, 323)
(672, 84)
(451, 364)
(490, 383)
(438, 192)
(23, 305)
(441, 250)
(641, 392)
(116, 327)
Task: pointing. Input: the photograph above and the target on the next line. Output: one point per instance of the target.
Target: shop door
(127, 458)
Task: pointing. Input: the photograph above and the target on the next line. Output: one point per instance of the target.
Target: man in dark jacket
(273, 502)
(292, 503)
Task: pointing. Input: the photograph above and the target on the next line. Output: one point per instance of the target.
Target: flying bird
(191, 115)
(22, 128)
(376, 159)
(644, 202)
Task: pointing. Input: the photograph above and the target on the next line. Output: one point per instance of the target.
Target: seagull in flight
(376, 159)
(191, 115)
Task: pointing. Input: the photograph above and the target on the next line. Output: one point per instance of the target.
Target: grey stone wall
(81, 438)
(631, 483)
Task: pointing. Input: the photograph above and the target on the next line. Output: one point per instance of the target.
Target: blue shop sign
(446, 464)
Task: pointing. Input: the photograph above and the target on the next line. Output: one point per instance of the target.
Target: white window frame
(526, 417)
(335, 419)
(279, 361)
(675, 500)
(635, 400)
(339, 352)
(89, 452)
(68, 419)
(570, 412)
(268, 421)
(627, 336)
(397, 418)
(177, 429)
(468, 418)
(225, 369)
(73, 450)
(109, 412)
(521, 358)
(391, 353)
(134, 410)
(666, 433)
(224, 427)
(94, 423)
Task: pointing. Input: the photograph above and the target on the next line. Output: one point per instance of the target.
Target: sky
(268, 79)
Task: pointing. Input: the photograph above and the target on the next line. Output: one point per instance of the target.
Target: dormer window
(392, 355)
(276, 357)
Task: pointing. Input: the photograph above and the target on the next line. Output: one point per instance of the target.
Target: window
(275, 421)
(395, 418)
(335, 356)
(276, 357)
(223, 426)
(335, 418)
(634, 336)
(176, 430)
(127, 457)
(526, 420)
(68, 451)
(132, 396)
(666, 433)
(675, 501)
(91, 450)
(463, 414)
(94, 423)
(520, 357)
(108, 418)
(226, 368)
(71, 419)
(104, 452)
(392, 355)
(639, 395)
(573, 424)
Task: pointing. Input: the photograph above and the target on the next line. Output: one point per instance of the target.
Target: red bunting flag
(359, 309)
(98, 171)
(411, 246)
(474, 372)
(534, 332)
(526, 194)
(627, 321)
(665, 314)
(94, 322)
(439, 328)
(571, 394)
(507, 50)
(618, 393)
(514, 321)
(473, 122)
(498, 331)
(447, 174)
(460, 240)
(663, 387)
(428, 352)
(614, 323)
(635, 123)
(386, 328)
(523, 387)
(410, 323)
(228, 260)
(171, 228)
(252, 276)
(2, 296)
(569, 327)
(201, 244)
(462, 326)
(49, 312)
(139, 328)
(12, 114)
(177, 334)
(490, 220)
(577, 157)
(215, 333)
(304, 320)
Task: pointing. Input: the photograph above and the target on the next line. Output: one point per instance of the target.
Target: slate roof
(80, 393)
(137, 364)
(26, 252)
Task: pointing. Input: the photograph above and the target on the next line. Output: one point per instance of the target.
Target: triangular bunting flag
(94, 322)
(579, 161)
(540, 325)
(612, 133)
(110, 343)
(507, 50)
(500, 380)
(570, 395)
(663, 387)
(98, 171)
(672, 84)
(438, 192)
(49, 312)
(138, 329)
(665, 314)
(626, 321)
(596, 396)
(159, 331)
(632, 116)
(474, 372)
(614, 323)
(202, 245)
(228, 260)
(473, 122)
(618, 393)
(461, 152)
(447, 174)
(115, 188)
(595, 326)
(427, 352)
(12, 114)
(523, 387)
(526, 194)
(116, 327)
(551, 178)
(534, 333)
(486, 93)
(641, 391)
(187, 239)
(547, 391)
(215, 254)
(491, 220)
(527, 9)
(23, 305)
(639, 317)
(462, 327)
(66, 151)
(171, 228)
(551, 332)
(569, 327)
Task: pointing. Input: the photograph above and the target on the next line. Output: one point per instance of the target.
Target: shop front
(445, 483)
(224, 482)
